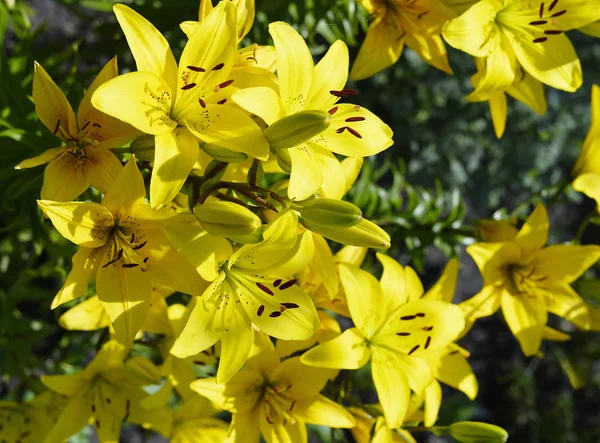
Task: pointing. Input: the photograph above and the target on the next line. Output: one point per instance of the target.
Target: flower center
(278, 407)
(126, 245)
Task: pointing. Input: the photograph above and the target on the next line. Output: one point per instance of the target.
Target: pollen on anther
(288, 284)
(427, 342)
(225, 84)
(333, 110)
(538, 22)
(428, 328)
(354, 132)
(403, 334)
(260, 310)
(290, 305)
(196, 69)
(264, 288)
(414, 349)
(340, 130)
(408, 317)
(275, 314)
(558, 14)
(218, 67)
(420, 314)
(552, 5)
(222, 102)
(202, 103)
(540, 40)
(552, 32)
(140, 246)
(188, 86)
(541, 9)
(355, 119)
(277, 282)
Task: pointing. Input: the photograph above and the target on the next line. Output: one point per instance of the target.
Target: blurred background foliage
(445, 171)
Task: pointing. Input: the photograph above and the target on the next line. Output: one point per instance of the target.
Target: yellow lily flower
(193, 422)
(30, 422)
(525, 89)
(251, 285)
(176, 105)
(529, 280)
(586, 171)
(275, 398)
(85, 159)
(374, 428)
(106, 392)
(394, 329)
(122, 243)
(396, 22)
(530, 33)
(353, 131)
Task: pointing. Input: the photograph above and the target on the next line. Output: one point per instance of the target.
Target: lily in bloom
(353, 131)
(417, 23)
(528, 32)
(180, 105)
(121, 243)
(395, 329)
(275, 398)
(85, 159)
(529, 280)
(587, 168)
(525, 89)
(106, 392)
(253, 285)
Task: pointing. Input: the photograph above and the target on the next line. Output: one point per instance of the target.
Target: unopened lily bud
(254, 237)
(226, 219)
(476, 432)
(296, 129)
(364, 233)
(223, 154)
(284, 161)
(329, 212)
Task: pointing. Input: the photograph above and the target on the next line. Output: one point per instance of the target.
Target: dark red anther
(274, 314)
(552, 5)
(202, 103)
(277, 282)
(541, 9)
(350, 91)
(146, 259)
(354, 132)
(355, 119)
(225, 84)
(86, 125)
(222, 102)
(338, 93)
(540, 40)
(196, 69)
(57, 126)
(414, 349)
(333, 110)
(427, 342)
(552, 32)
(420, 314)
(288, 284)
(538, 22)
(260, 311)
(340, 130)
(408, 317)
(129, 265)
(140, 246)
(218, 67)
(558, 14)
(96, 125)
(188, 86)
(428, 328)
(264, 288)
(403, 334)
(289, 305)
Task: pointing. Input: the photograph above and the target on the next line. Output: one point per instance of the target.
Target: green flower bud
(364, 233)
(284, 161)
(143, 147)
(296, 129)
(227, 219)
(223, 154)
(476, 432)
(328, 212)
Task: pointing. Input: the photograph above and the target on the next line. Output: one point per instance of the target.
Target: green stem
(253, 172)
(582, 226)
(130, 150)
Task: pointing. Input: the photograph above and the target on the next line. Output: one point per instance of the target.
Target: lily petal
(85, 224)
(174, 156)
(142, 99)
(330, 74)
(236, 345)
(526, 318)
(66, 177)
(533, 235)
(86, 316)
(86, 262)
(294, 66)
(51, 105)
(564, 263)
(306, 176)
(41, 159)
(150, 49)
(319, 410)
(433, 401)
(125, 294)
(454, 370)
(104, 168)
(347, 351)
(445, 287)
(589, 184)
